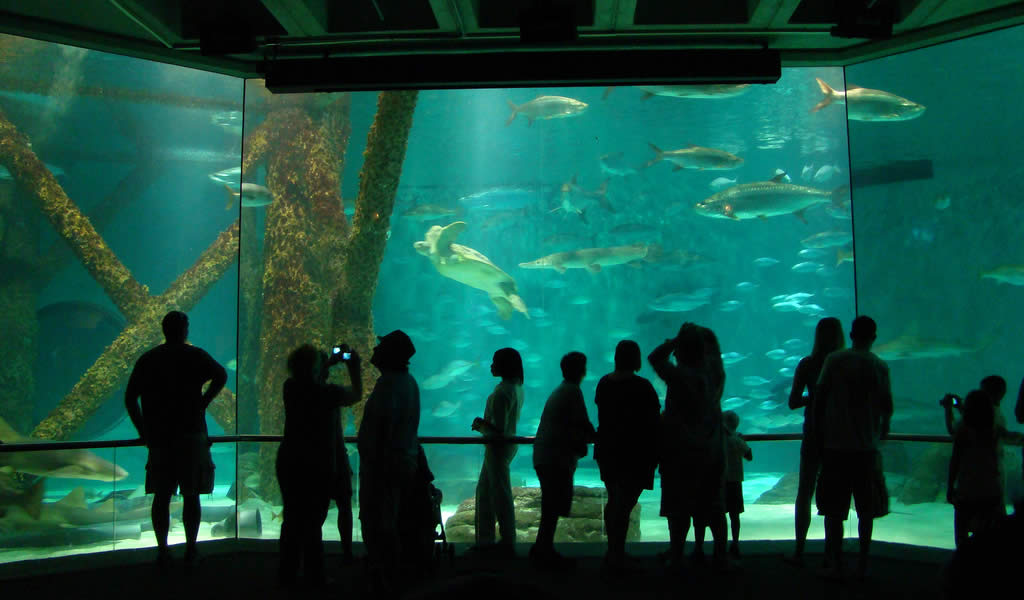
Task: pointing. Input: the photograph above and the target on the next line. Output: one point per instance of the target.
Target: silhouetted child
(494, 502)
(736, 450)
(341, 492)
(975, 485)
(562, 438)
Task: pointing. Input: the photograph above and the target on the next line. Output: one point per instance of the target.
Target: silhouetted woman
(494, 488)
(307, 459)
(626, 449)
(828, 337)
(692, 460)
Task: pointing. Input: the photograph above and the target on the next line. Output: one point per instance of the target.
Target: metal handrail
(450, 440)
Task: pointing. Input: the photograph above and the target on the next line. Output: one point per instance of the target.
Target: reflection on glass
(934, 211)
(106, 200)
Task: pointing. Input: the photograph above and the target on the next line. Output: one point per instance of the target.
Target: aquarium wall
(546, 220)
(936, 216)
(108, 218)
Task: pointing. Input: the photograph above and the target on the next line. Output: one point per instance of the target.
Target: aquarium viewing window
(546, 219)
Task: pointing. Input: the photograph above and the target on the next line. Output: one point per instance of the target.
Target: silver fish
(865, 104)
(546, 107)
(696, 157)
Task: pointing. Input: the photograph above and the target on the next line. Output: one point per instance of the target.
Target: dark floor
(246, 569)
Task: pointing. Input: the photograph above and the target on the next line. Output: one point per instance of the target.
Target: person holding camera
(307, 460)
(993, 385)
(692, 457)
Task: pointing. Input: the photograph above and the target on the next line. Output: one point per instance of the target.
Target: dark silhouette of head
(304, 363)
(995, 387)
(863, 332)
(574, 367)
(690, 349)
(979, 411)
(393, 351)
(175, 326)
(627, 356)
(828, 337)
(731, 420)
(507, 364)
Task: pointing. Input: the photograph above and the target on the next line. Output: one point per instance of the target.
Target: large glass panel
(590, 216)
(936, 217)
(112, 196)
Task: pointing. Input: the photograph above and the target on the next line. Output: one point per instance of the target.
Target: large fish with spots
(592, 259)
(763, 199)
(711, 91)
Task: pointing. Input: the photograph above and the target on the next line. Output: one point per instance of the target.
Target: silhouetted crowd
(694, 446)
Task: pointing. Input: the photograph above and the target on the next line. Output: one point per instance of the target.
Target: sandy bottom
(929, 524)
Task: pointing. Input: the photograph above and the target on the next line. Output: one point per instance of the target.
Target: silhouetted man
(857, 408)
(172, 423)
(388, 455)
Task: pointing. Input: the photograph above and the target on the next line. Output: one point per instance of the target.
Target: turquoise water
(529, 190)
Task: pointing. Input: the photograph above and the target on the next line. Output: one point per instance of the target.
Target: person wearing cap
(388, 450)
(857, 408)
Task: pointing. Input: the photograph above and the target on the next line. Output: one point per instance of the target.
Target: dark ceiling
(247, 37)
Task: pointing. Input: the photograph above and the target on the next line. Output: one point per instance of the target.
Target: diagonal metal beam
(299, 18)
(624, 14)
(606, 13)
(467, 12)
(772, 14)
(446, 13)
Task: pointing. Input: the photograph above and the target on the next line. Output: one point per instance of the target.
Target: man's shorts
(852, 473)
(186, 463)
(555, 490)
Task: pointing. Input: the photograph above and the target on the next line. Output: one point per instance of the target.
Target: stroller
(419, 521)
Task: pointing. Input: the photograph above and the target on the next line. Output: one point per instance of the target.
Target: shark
(72, 464)
(73, 510)
(908, 347)
(591, 259)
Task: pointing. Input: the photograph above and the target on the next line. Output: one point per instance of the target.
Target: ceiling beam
(920, 13)
(299, 18)
(160, 22)
(946, 31)
(59, 33)
(772, 14)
